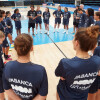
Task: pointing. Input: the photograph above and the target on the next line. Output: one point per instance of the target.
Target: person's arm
(8, 23)
(54, 14)
(12, 95)
(62, 14)
(40, 14)
(60, 71)
(39, 97)
(69, 14)
(43, 91)
(7, 86)
(28, 15)
(49, 15)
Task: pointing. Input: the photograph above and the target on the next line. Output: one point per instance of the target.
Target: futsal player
(22, 79)
(78, 74)
(58, 15)
(75, 23)
(2, 37)
(66, 18)
(5, 45)
(5, 26)
(97, 22)
(94, 92)
(38, 19)
(32, 15)
(81, 18)
(46, 17)
(89, 18)
(9, 22)
(17, 19)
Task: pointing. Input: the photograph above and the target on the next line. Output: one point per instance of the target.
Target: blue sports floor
(43, 38)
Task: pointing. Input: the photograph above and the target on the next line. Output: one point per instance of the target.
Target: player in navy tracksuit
(89, 18)
(66, 17)
(46, 17)
(6, 27)
(75, 23)
(22, 79)
(17, 18)
(2, 37)
(38, 19)
(82, 18)
(9, 22)
(5, 45)
(97, 18)
(58, 15)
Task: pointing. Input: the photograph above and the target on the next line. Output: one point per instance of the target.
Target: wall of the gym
(26, 2)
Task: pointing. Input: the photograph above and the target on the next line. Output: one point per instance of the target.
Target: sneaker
(36, 32)
(8, 58)
(9, 55)
(40, 32)
(54, 31)
(45, 32)
(5, 62)
(58, 31)
(66, 32)
(48, 33)
(33, 34)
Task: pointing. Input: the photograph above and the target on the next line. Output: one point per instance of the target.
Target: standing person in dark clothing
(32, 15)
(89, 18)
(75, 22)
(2, 37)
(82, 18)
(58, 15)
(22, 79)
(78, 74)
(17, 18)
(46, 17)
(39, 19)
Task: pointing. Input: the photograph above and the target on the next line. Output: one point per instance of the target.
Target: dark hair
(90, 12)
(48, 9)
(98, 14)
(66, 8)
(78, 6)
(87, 37)
(1, 16)
(3, 12)
(23, 44)
(79, 9)
(8, 12)
(16, 10)
(32, 6)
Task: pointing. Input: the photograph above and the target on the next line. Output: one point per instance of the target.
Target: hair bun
(93, 31)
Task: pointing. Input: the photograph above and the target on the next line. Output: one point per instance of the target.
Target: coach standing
(32, 15)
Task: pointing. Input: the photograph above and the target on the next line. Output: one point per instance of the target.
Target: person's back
(78, 74)
(27, 80)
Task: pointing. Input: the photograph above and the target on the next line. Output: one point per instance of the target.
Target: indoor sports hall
(48, 49)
